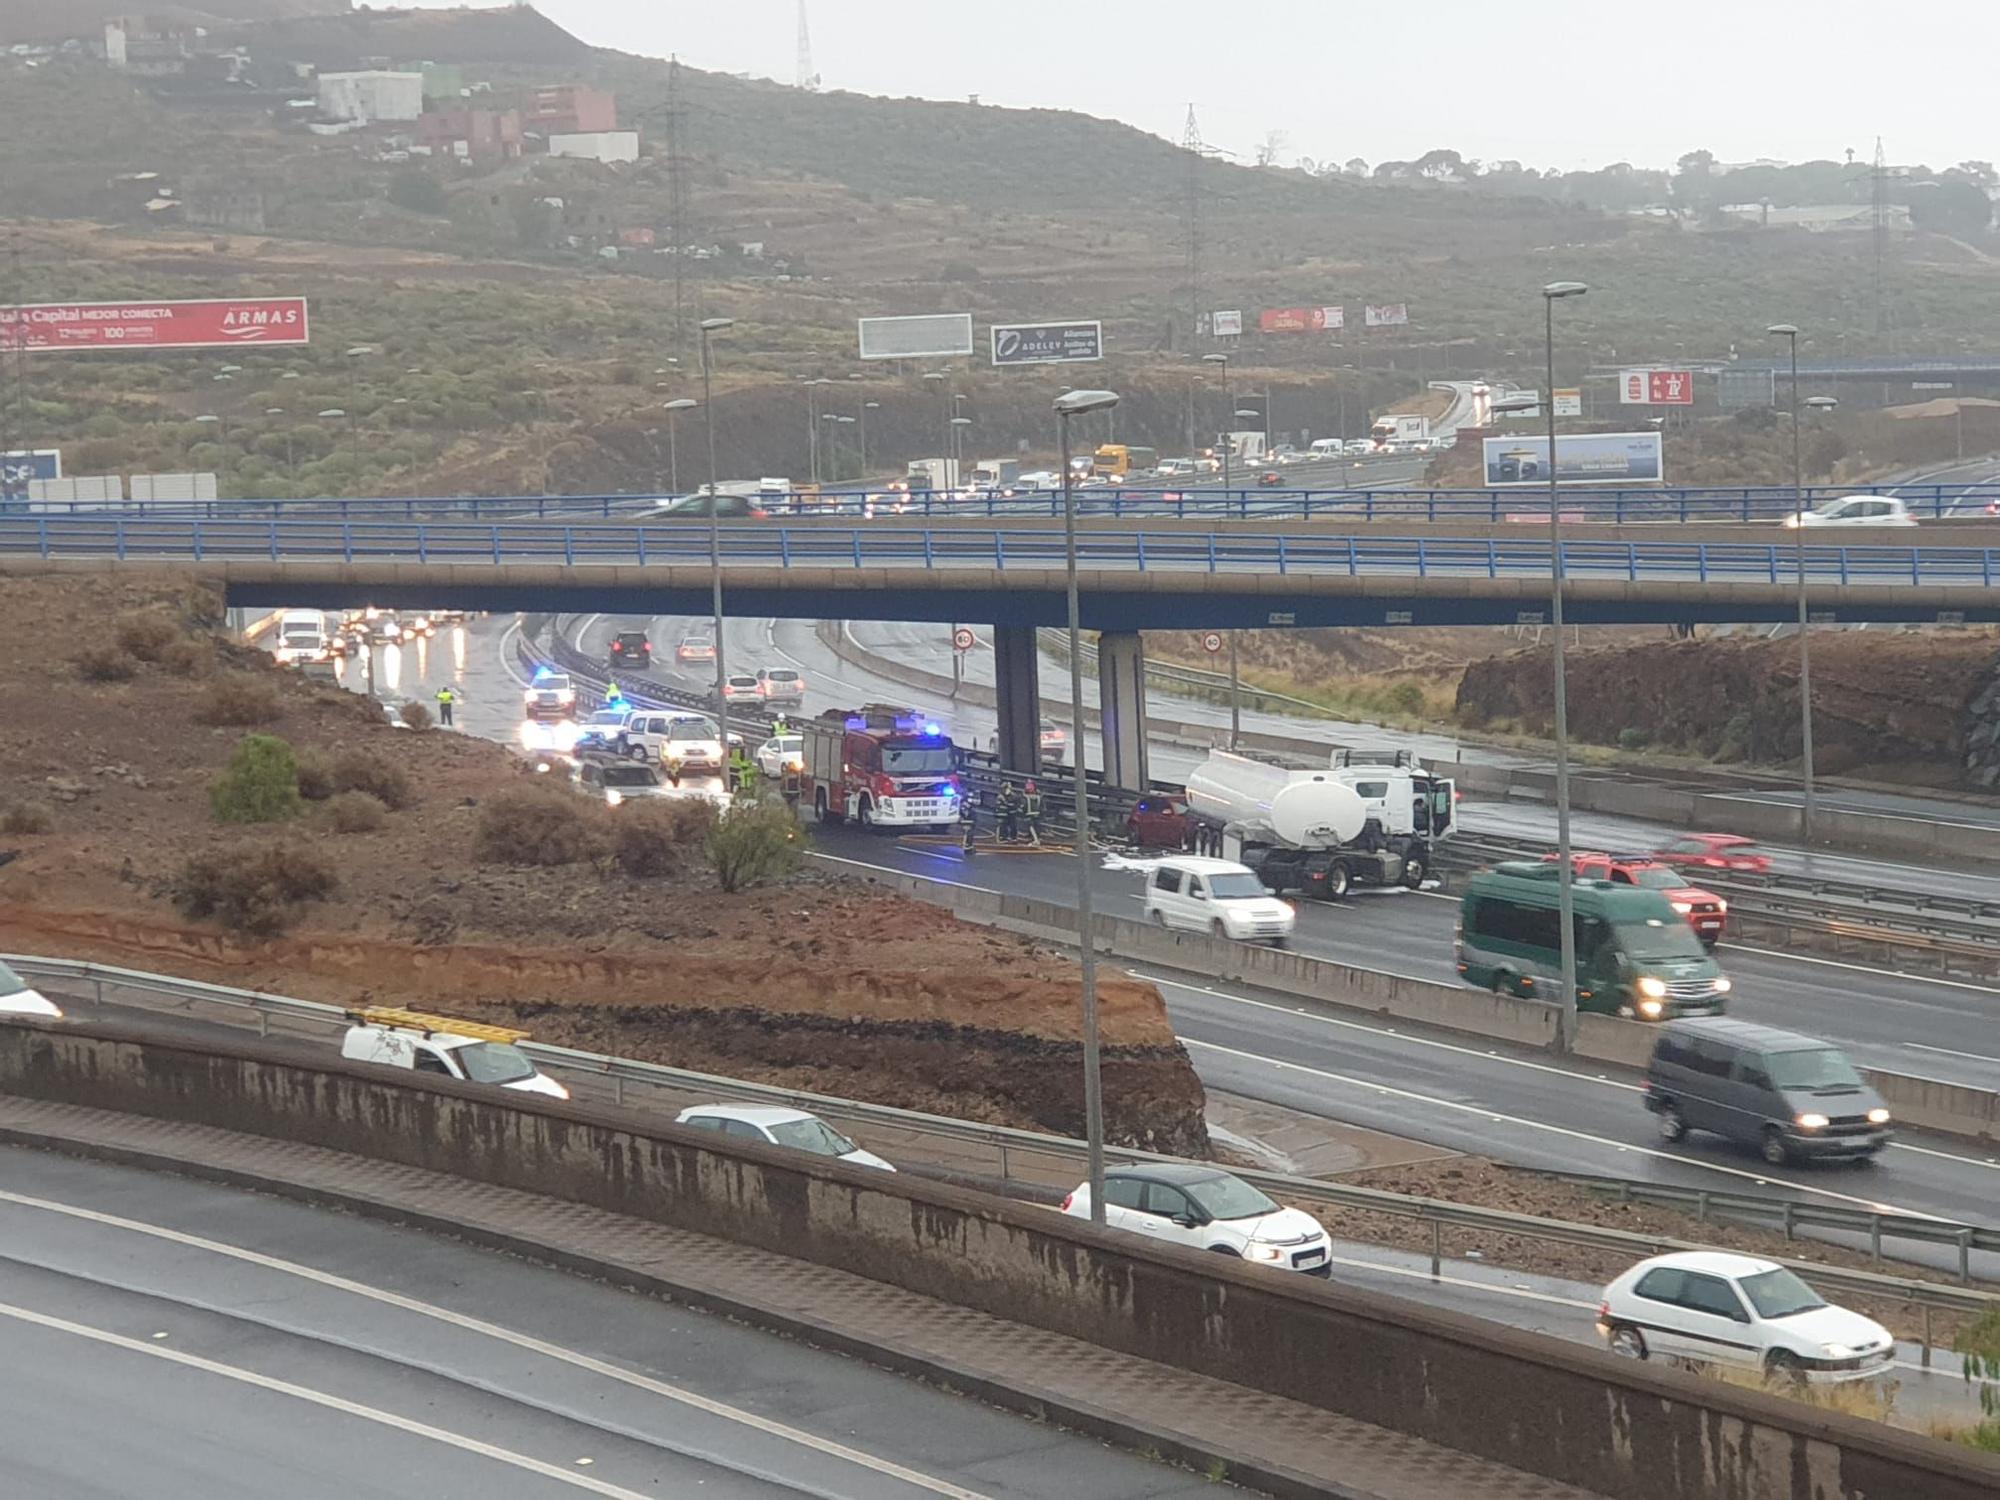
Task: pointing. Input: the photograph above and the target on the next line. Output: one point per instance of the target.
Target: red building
(471, 132)
(571, 109)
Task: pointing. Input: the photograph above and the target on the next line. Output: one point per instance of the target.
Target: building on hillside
(602, 145)
(471, 134)
(570, 109)
(1819, 218)
(376, 94)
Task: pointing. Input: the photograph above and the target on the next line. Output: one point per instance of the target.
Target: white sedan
(1708, 1308)
(1853, 510)
(1206, 1208)
(780, 754)
(776, 1126)
(17, 998)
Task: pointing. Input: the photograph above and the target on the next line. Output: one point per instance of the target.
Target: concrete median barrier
(1563, 1412)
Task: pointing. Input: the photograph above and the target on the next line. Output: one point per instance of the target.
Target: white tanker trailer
(1321, 832)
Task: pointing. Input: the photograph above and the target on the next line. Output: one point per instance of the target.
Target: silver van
(1787, 1095)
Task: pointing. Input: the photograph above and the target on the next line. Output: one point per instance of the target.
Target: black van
(1787, 1095)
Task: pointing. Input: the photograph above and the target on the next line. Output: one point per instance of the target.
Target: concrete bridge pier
(1017, 681)
(1121, 697)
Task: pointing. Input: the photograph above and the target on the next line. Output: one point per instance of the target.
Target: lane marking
(1835, 963)
(647, 1383)
(324, 1399)
(1495, 1116)
(1950, 1052)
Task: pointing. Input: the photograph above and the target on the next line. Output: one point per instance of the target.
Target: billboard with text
(209, 323)
(1582, 458)
(1385, 314)
(1656, 388)
(925, 336)
(1226, 325)
(1301, 319)
(1047, 343)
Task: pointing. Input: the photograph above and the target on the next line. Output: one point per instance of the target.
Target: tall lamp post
(862, 418)
(1069, 405)
(1229, 400)
(1808, 806)
(940, 379)
(958, 426)
(1235, 680)
(1565, 869)
(712, 326)
(673, 409)
(812, 424)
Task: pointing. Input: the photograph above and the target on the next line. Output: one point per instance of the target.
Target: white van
(1219, 897)
(302, 637)
(1326, 448)
(466, 1050)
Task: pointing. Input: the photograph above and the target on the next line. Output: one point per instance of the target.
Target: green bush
(654, 837)
(104, 664)
(537, 826)
(260, 783)
(751, 844)
(251, 890)
(1632, 737)
(238, 699)
(355, 812)
(1406, 698)
(358, 771)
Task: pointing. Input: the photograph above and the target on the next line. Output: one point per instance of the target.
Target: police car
(469, 1051)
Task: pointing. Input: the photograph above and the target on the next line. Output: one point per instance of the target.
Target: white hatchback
(1207, 1208)
(1853, 510)
(775, 1125)
(1709, 1308)
(1219, 897)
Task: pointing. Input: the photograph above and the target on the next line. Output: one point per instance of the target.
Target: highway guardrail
(1008, 1149)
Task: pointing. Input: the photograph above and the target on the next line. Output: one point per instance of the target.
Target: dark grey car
(1784, 1094)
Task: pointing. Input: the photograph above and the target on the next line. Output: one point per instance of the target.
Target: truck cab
(882, 767)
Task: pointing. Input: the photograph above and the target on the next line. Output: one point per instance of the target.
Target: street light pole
(1229, 401)
(673, 409)
(1565, 870)
(1068, 405)
(866, 407)
(1808, 805)
(709, 326)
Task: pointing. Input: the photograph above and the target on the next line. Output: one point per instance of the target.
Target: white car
(774, 1125)
(466, 1050)
(692, 741)
(551, 695)
(1206, 1208)
(781, 685)
(1216, 896)
(1705, 1307)
(1037, 480)
(782, 754)
(18, 998)
(1853, 510)
(616, 782)
(740, 687)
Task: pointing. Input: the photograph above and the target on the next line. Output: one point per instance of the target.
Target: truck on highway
(1401, 432)
(926, 474)
(882, 767)
(996, 473)
(302, 637)
(1321, 832)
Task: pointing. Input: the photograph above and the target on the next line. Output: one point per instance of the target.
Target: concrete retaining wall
(1567, 1413)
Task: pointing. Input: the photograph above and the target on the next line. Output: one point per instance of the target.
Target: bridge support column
(1017, 680)
(1121, 699)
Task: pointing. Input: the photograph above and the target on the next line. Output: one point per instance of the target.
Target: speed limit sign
(1212, 642)
(961, 638)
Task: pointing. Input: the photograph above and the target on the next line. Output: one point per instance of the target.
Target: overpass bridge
(1012, 577)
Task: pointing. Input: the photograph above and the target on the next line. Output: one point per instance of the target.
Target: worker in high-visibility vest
(446, 698)
(1031, 810)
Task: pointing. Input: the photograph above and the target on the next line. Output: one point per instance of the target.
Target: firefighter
(968, 820)
(1012, 804)
(1031, 810)
(446, 698)
(742, 771)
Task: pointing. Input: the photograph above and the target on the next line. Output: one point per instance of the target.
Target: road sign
(1569, 403)
(962, 639)
(1656, 388)
(1212, 642)
(1047, 343)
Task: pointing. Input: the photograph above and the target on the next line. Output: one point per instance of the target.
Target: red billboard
(1300, 319)
(209, 323)
(1656, 388)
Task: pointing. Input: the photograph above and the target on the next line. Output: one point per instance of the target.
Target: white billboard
(1385, 314)
(1047, 343)
(926, 336)
(1226, 325)
(1583, 458)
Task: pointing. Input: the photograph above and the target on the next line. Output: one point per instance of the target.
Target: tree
(1271, 148)
(1979, 1348)
(1696, 164)
(419, 192)
(1439, 164)
(1980, 172)
(1355, 166)
(1955, 207)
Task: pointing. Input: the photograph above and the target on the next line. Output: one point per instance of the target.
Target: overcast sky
(1639, 82)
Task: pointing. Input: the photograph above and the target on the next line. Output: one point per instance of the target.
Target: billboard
(925, 336)
(208, 323)
(1047, 343)
(1385, 314)
(1226, 325)
(1738, 390)
(1656, 388)
(24, 465)
(1584, 458)
(1301, 319)
(1569, 402)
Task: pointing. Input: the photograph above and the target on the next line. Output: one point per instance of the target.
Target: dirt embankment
(1901, 702)
(818, 983)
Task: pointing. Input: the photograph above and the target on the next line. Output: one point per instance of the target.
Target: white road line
(1950, 1052)
(330, 1402)
(1487, 1113)
(507, 656)
(571, 1357)
(1835, 963)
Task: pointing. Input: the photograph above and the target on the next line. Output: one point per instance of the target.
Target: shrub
(356, 812)
(145, 633)
(415, 715)
(25, 817)
(104, 664)
(203, 607)
(251, 890)
(358, 771)
(653, 837)
(238, 699)
(1632, 737)
(1406, 698)
(260, 783)
(536, 826)
(187, 658)
(752, 844)
(315, 777)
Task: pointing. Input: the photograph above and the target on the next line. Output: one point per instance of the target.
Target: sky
(1562, 83)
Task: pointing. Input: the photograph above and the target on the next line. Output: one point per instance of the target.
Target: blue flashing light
(932, 729)
(950, 792)
(542, 674)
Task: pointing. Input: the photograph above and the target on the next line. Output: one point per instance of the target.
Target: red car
(1706, 912)
(1716, 851)
(1158, 822)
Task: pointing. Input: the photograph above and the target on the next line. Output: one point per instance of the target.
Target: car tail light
(1604, 1308)
(1068, 1199)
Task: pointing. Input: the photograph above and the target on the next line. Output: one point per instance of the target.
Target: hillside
(54, 20)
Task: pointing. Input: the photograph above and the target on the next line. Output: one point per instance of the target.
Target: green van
(1635, 955)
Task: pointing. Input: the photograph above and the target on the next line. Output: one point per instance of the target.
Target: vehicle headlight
(1651, 1007)
(561, 1091)
(1835, 1351)
(1721, 905)
(1791, 523)
(1878, 1117)
(1263, 1252)
(1683, 907)
(1655, 989)
(613, 797)
(1722, 985)
(1812, 1122)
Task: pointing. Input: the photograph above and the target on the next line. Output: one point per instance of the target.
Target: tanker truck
(1322, 832)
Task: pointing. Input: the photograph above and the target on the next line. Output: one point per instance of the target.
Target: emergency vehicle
(882, 767)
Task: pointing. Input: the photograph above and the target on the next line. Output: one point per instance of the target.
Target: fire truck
(883, 767)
